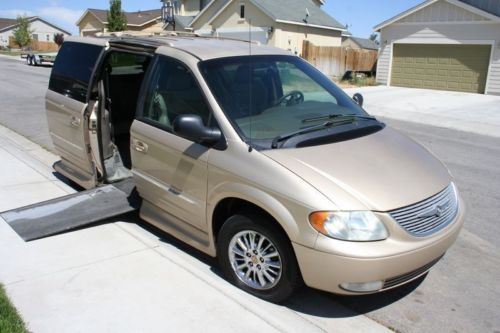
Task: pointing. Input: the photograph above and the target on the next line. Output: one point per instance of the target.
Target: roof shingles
(489, 6)
(133, 18)
(295, 11)
(5, 22)
(8, 24)
(365, 43)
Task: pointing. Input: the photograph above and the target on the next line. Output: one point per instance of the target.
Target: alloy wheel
(255, 259)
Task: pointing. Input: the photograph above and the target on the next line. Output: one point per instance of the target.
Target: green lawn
(11, 53)
(10, 321)
(17, 53)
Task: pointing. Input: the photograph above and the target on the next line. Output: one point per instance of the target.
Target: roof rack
(131, 33)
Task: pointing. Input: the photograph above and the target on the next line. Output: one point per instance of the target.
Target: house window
(35, 36)
(242, 11)
(48, 38)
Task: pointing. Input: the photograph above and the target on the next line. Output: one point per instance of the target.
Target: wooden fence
(36, 45)
(336, 61)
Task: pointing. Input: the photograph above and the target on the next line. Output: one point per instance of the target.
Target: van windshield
(273, 96)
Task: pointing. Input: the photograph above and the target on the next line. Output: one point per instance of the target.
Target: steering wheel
(291, 98)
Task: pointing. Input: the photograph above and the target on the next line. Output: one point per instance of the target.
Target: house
(443, 44)
(43, 31)
(96, 20)
(282, 23)
(351, 42)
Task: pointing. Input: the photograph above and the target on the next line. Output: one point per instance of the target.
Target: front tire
(256, 256)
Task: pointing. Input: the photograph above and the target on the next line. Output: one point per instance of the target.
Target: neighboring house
(352, 42)
(443, 44)
(43, 31)
(282, 23)
(96, 20)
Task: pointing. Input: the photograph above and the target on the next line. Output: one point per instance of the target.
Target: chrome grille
(430, 215)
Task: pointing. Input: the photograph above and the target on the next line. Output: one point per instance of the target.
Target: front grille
(394, 281)
(430, 215)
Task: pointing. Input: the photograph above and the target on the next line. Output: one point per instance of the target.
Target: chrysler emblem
(436, 211)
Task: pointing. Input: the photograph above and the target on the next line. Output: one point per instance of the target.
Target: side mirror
(191, 127)
(358, 98)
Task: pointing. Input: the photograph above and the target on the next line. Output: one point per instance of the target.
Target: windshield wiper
(306, 130)
(337, 116)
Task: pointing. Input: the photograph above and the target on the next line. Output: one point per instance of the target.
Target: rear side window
(73, 69)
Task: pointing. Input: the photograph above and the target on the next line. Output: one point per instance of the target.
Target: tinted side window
(72, 69)
(173, 91)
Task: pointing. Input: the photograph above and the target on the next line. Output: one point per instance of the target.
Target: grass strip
(10, 320)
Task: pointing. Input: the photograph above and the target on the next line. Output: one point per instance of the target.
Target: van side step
(73, 211)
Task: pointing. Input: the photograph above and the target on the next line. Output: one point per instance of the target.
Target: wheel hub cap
(255, 259)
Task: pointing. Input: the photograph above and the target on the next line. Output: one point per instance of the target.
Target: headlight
(352, 226)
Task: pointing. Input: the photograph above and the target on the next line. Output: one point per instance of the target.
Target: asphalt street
(460, 294)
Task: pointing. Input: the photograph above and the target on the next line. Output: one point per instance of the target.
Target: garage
(442, 44)
(444, 67)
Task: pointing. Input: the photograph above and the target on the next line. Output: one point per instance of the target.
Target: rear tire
(256, 256)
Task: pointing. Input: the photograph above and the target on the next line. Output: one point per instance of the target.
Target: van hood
(382, 171)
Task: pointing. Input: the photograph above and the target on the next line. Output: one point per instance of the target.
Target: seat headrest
(179, 79)
(242, 74)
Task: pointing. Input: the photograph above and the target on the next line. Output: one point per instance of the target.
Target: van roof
(204, 48)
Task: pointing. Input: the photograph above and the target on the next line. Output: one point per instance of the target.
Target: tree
(58, 39)
(22, 34)
(374, 37)
(116, 17)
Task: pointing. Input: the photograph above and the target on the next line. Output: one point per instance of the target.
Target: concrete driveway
(125, 276)
(467, 112)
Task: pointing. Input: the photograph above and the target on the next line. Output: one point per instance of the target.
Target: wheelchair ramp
(73, 211)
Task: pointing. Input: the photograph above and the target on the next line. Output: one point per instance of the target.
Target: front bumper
(327, 270)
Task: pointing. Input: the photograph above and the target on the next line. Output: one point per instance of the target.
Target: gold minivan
(248, 153)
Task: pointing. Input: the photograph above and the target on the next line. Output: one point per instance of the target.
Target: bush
(22, 34)
(59, 39)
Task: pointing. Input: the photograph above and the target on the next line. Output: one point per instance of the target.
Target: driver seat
(249, 89)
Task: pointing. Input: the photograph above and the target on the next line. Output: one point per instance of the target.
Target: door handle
(140, 146)
(75, 121)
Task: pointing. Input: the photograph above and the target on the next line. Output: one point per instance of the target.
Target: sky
(360, 15)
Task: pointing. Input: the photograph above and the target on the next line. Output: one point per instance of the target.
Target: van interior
(115, 97)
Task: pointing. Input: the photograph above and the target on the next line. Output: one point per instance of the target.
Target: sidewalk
(119, 277)
(467, 112)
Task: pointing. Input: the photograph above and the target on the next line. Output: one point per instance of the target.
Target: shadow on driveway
(306, 300)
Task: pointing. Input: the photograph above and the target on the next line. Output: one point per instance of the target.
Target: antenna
(251, 79)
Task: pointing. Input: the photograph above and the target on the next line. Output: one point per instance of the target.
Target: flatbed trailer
(35, 59)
